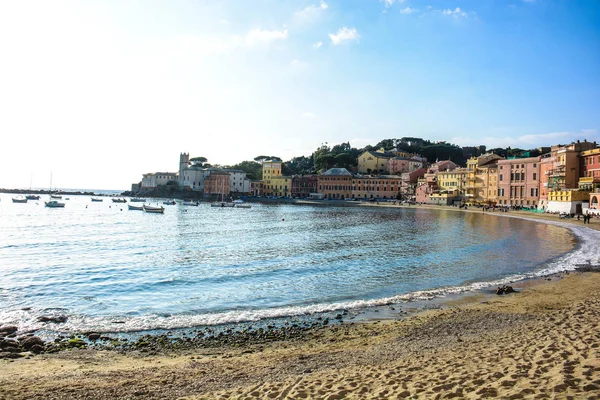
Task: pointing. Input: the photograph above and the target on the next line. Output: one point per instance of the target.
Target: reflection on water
(101, 260)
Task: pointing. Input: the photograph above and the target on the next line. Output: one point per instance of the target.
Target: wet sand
(542, 342)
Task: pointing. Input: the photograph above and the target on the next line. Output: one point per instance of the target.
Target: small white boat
(155, 210)
(191, 203)
(137, 208)
(119, 200)
(138, 200)
(169, 203)
(54, 204)
(19, 200)
(56, 196)
(96, 199)
(222, 204)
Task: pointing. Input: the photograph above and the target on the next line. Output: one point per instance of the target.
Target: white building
(194, 176)
(190, 176)
(154, 179)
(238, 181)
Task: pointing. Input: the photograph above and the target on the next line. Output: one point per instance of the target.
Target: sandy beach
(542, 342)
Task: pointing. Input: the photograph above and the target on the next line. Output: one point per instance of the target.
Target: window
(534, 176)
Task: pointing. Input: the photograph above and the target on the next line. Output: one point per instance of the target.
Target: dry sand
(542, 342)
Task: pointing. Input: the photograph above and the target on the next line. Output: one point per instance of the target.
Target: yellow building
(280, 186)
(482, 179)
(454, 180)
(270, 169)
(568, 195)
(374, 162)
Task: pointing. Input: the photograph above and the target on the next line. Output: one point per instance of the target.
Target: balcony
(589, 180)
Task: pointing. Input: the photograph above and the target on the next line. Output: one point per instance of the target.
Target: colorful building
(453, 181)
(335, 183)
(589, 170)
(374, 162)
(569, 201)
(217, 183)
(482, 179)
(561, 169)
(519, 182)
(376, 187)
(304, 185)
(409, 183)
(271, 169)
(280, 186)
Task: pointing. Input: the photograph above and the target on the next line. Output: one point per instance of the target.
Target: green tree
(199, 161)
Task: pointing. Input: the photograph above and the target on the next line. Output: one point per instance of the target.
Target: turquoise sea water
(99, 263)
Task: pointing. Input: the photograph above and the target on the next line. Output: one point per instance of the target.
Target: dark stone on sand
(93, 336)
(9, 355)
(59, 319)
(8, 329)
(37, 349)
(31, 341)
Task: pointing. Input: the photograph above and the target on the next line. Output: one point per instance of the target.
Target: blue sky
(101, 92)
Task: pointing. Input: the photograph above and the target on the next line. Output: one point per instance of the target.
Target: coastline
(542, 342)
(397, 357)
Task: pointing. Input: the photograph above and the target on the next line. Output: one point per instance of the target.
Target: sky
(97, 93)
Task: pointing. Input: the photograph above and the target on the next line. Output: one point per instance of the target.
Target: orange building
(335, 183)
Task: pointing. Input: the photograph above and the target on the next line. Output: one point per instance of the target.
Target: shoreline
(541, 341)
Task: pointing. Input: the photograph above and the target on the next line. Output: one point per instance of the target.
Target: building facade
(590, 170)
(154, 179)
(374, 162)
(216, 182)
(335, 183)
(376, 187)
(270, 169)
(519, 182)
(304, 185)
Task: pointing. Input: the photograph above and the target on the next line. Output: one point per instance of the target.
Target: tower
(184, 161)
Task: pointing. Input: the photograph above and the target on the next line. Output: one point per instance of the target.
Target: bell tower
(184, 162)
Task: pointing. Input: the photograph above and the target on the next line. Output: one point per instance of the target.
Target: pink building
(398, 165)
(519, 182)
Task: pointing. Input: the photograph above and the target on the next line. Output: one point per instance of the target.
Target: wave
(586, 250)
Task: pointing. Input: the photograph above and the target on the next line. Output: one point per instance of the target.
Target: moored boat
(96, 199)
(56, 196)
(137, 208)
(137, 200)
(191, 203)
(119, 200)
(243, 206)
(54, 204)
(170, 202)
(32, 197)
(19, 200)
(156, 210)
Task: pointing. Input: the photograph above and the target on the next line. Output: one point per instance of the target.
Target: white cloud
(308, 115)
(224, 21)
(265, 36)
(344, 34)
(317, 45)
(457, 12)
(389, 3)
(310, 13)
(408, 10)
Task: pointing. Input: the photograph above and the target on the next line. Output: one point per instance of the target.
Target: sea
(108, 269)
